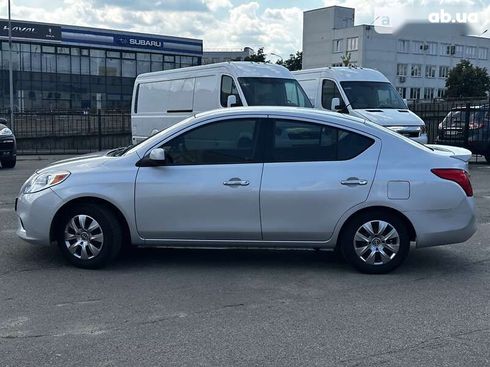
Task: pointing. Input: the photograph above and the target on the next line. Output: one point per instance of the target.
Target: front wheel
(375, 242)
(9, 163)
(89, 236)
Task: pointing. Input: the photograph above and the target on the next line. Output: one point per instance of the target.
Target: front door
(209, 190)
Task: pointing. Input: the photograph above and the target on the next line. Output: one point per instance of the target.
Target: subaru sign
(139, 42)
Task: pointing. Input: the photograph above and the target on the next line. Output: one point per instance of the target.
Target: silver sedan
(256, 177)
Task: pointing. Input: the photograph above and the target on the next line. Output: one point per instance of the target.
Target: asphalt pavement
(163, 307)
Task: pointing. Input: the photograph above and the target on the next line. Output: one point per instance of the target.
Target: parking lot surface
(242, 308)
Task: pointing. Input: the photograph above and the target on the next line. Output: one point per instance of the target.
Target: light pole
(11, 74)
(282, 59)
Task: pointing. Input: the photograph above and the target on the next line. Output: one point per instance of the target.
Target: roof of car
(238, 68)
(343, 74)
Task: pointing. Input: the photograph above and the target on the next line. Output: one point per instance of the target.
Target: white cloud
(214, 5)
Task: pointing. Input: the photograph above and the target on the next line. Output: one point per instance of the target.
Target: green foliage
(294, 62)
(257, 57)
(466, 80)
(346, 58)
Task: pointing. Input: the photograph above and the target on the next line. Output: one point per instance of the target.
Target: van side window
(330, 91)
(228, 88)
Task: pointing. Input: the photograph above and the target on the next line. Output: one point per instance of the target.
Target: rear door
(313, 174)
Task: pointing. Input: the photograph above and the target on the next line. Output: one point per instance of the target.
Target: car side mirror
(156, 158)
(335, 105)
(231, 100)
(405, 101)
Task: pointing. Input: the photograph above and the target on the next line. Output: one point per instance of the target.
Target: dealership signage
(139, 42)
(31, 31)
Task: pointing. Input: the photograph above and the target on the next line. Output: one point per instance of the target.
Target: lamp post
(11, 74)
(282, 59)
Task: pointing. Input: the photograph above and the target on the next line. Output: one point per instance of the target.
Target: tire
(369, 244)
(9, 163)
(93, 234)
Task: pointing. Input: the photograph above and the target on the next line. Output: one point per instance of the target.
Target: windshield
(273, 92)
(371, 95)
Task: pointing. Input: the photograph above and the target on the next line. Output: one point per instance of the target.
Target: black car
(471, 132)
(8, 146)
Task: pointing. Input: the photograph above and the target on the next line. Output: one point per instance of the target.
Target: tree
(294, 62)
(346, 58)
(466, 80)
(257, 57)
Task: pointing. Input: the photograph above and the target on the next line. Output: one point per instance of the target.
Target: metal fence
(460, 123)
(69, 133)
(465, 124)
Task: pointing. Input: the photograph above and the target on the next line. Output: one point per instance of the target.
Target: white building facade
(213, 57)
(416, 59)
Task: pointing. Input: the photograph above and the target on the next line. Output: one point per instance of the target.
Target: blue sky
(231, 24)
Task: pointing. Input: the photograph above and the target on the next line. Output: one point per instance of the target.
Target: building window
(403, 46)
(352, 43)
(430, 71)
(417, 47)
(483, 53)
(443, 71)
(402, 91)
(444, 49)
(338, 45)
(414, 93)
(431, 48)
(470, 52)
(416, 70)
(429, 93)
(402, 70)
(458, 50)
(441, 93)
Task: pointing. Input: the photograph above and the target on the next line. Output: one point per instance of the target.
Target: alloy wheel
(83, 237)
(376, 242)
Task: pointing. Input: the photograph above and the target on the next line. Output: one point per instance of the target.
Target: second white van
(364, 93)
(163, 98)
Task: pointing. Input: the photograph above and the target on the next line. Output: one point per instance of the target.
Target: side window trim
(269, 143)
(336, 92)
(257, 141)
(223, 102)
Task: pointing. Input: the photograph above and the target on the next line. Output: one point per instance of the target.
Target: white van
(163, 98)
(365, 93)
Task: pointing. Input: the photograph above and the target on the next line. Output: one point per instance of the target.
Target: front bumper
(35, 213)
(8, 147)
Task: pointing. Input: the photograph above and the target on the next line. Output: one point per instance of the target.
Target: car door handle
(236, 182)
(353, 181)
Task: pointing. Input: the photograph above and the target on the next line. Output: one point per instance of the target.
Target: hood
(82, 162)
(390, 117)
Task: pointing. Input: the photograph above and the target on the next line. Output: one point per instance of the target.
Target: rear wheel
(89, 236)
(375, 242)
(9, 163)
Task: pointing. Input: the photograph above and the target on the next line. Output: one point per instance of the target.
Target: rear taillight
(460, 176)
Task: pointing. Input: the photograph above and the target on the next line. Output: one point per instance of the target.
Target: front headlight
(42, 181)
(6, 132)
(423, 129)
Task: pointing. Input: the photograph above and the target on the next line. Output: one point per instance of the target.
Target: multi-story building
(61, 67)
(213, 57)
(416, 59)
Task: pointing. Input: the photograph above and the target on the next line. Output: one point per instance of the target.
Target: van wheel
(375, 242)
(9, 163)
(89, 236)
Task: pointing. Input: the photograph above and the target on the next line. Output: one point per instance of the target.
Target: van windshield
(273, 92)
(367, 95)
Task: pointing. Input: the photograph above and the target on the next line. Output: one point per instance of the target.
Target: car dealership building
(61, 67)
